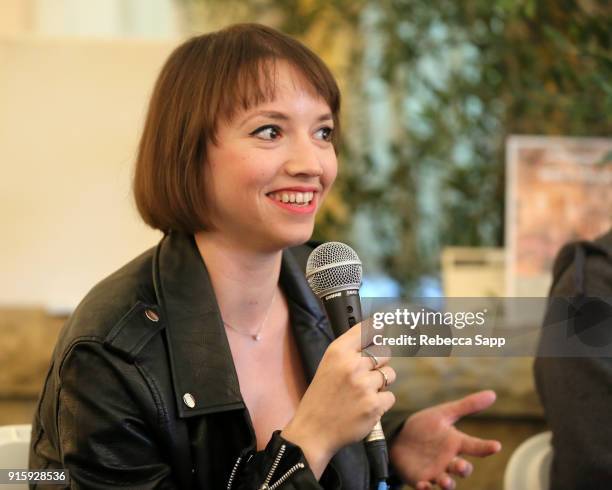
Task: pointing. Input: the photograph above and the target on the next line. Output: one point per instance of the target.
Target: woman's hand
(427, 449)
(343, 402)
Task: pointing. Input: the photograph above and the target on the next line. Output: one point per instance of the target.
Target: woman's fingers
(362, 335)
(460, 467)
(372, 361)
(356, 340)
(358, 336)
(445, 482)
(467, 405)
(387, 400)
(380, 378)
(479, 447)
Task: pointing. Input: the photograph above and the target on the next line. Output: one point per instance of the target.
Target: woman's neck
(245, 281)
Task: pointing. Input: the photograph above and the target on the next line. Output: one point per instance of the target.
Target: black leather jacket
(142, 391)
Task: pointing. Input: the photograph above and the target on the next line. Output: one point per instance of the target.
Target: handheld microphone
(334, 273)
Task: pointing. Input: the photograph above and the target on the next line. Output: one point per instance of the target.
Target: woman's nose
(305, 160)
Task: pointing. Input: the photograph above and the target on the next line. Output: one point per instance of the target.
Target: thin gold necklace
(257, 335)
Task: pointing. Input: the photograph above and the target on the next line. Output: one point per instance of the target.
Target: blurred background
(477, 140)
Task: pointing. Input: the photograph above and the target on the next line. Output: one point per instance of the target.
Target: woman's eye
(269, 132)
(326, 133)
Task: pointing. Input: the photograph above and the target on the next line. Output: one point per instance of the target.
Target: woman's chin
(292, 238)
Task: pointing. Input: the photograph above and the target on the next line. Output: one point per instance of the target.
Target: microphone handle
(344, 310)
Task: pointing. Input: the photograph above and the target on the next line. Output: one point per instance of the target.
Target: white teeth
(293, 197)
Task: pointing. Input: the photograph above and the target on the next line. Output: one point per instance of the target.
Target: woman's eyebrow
(280, 116)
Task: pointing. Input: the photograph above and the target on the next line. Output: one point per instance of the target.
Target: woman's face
(271, 167)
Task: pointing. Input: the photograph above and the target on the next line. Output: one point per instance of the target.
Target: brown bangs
(249, 71)
(207, 79)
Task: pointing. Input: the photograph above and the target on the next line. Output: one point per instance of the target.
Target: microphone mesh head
(333, 267)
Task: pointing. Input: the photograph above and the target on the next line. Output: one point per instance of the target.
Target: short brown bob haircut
(205, 79)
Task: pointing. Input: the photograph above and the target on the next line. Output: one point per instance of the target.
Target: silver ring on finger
(371, 356)
(385, 379)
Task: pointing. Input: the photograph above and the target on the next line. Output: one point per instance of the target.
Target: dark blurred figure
(577, 392)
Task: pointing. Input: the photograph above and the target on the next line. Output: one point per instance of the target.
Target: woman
(207, 362)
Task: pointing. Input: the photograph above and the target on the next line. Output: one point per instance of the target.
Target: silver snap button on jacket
(189, 400)
(151, 315)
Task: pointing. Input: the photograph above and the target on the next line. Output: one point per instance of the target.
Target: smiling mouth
(299, 199)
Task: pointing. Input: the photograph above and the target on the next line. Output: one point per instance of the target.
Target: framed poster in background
(558, 189)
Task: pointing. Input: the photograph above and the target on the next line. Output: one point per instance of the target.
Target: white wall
(71, 112)
(106, 18)
(93, 18)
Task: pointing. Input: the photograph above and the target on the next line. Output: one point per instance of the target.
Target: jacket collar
(199, 353)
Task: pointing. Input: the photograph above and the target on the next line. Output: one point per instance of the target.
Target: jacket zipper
(279, 455)
(289, 472)
(266, 484)
(230, 482)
